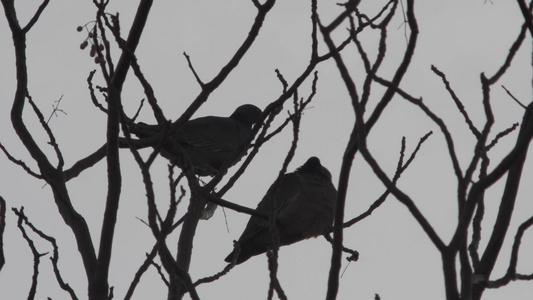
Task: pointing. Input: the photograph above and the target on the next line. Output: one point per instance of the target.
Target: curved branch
(2, 227)
(35, 17)
(52, 176)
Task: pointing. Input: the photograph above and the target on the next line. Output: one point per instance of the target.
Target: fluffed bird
(207, 141)
(304, 202)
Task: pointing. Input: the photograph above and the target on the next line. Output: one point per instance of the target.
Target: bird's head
(313, 166)
(247, 114)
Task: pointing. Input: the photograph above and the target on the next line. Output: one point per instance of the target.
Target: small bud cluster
(96, 49)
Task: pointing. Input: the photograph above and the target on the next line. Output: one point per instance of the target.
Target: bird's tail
(242, 257)
(245, 251)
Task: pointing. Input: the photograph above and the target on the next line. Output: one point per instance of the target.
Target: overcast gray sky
(397, 260)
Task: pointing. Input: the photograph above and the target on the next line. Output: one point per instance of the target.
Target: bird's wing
(287, 190)
(310, 213)
(211, 134)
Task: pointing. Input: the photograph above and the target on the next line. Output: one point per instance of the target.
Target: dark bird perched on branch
(304, 204)
(208, 141)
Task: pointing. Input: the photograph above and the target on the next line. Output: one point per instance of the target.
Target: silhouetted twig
(274, 281)
(160, 272)
(48, 131)
(200, 82)
(456, 100)
(36, 254)
(92, 93)
(36, 16)
(20, 163)
(513, 97)
(273, 256)
(138, 111)
(236, 251)
(501, 135)
(511, 274)
(56, 109)
(282, 80)
(399, 170)
(55, 256)
(137, 278)
(2, 227)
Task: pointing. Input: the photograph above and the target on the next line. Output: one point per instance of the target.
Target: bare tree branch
(55, 256)
(20, 163)
(273, 227)
(2, 228)
(55, 109)
(513, 97)
(226, 269)
(52, 176)
(36, 16)
(34, 251)
(274, 281)
(399, 170)
(160, 272)
(501, 135)
(91, 92)
(48, 131)
(511, 274)
(442, 126)
(513, 163)
(457, 101)
(512, 52)
(193, 70)
(137, 278)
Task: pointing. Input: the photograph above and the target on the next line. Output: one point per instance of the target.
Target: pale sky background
(397, 260)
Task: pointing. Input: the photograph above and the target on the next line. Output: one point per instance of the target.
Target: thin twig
(2, 227)
(191, 67)
(256, 3)
(282, 80)
(92, 93)
(36, 254)
(456, 100)
(137, 278)
(48, 131)
(273, 257)
(501, 135)
(160, 272)
(274, 281)
(55, 256)
(55, 109)
(20, 163)
(513, 97)
(237, 207)
(511, 274)
(36, 16)
(138, 111)
(236, 251)
(399, 170)
(442, 126)
(301, 109)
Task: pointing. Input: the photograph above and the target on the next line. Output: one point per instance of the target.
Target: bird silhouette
(304, 202)
(207, 141)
